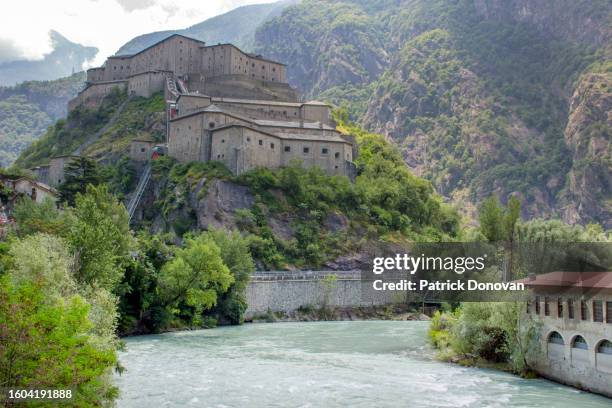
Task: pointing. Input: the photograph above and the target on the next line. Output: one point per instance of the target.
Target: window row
(587, 310)
(578, 342)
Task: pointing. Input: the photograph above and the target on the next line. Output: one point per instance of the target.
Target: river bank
(313, 314)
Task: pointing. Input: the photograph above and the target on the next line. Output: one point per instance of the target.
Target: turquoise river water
(321, 364)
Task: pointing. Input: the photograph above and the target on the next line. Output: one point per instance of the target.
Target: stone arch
(579, 342)
(579, 351)
(603, 356)
(555, 346)
(555, 337)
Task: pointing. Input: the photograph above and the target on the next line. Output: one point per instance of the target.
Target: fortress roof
(584, 280)
(123, 56)
(260, 122)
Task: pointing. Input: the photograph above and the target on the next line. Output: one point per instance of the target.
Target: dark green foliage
(44, 343)
(100, 236)
(120, 176)
(232, 305)
(496, 222)
(78, 174)
(141, 310)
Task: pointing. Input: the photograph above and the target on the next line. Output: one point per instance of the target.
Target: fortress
(224, 105)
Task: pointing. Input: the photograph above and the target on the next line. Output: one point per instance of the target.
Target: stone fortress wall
(226, 105)
(205, 68)
(285, 292)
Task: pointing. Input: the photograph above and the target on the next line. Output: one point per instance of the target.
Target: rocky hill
(482, 96)
(26, 110)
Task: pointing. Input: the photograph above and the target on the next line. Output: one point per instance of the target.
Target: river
(320, 364)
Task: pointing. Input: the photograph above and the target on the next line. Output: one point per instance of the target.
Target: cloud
(9, 51)
(131, 5)
(105, 24)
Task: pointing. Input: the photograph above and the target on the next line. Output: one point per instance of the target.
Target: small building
(25, 186)
(141, 149)
(574, 312)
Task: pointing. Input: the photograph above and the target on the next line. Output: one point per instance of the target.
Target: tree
(79, 173)
(193, 280)
(511, 216)
(237, 257)
(100, 237)
(33, 217)
(53, 332)
(141, 308)
(45, 343)
(491, 216)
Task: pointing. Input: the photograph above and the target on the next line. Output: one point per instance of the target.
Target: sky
(105, 24)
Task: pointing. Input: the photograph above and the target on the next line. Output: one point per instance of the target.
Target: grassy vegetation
(68, 134)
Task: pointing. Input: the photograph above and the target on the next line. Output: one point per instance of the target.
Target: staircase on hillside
(142, 185)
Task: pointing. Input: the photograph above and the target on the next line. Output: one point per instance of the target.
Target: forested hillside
(26, 110)
(488, 96)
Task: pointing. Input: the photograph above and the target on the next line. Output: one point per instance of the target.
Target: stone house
(574, 311)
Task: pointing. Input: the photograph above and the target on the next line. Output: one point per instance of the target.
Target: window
(605, 347)
(142, 149)
(248, 139)
(560, 308)
(260, 142)
(253, 65)
(528, 307)
(555, 338)
(337, 155)
(583, 310)
(211, 125)
(222, 140)
(580, 343)
(537, 305)
(271, 145)
(597, 311)
(570, 308)
(273, 69)
(287, 148)
(324, 150)
(608, 312)
(546, 307)
(306, 150)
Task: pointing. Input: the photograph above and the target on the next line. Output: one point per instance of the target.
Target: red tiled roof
(587, 280)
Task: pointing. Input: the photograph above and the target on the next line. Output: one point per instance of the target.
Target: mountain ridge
(476, 92)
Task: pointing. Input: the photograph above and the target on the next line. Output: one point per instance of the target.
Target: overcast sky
(106, 24)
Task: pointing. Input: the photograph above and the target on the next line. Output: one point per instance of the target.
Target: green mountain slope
(106, 131)
(236, 26)
(26, 110)
(481, 95)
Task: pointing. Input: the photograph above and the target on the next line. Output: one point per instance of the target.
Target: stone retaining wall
(288, 291)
